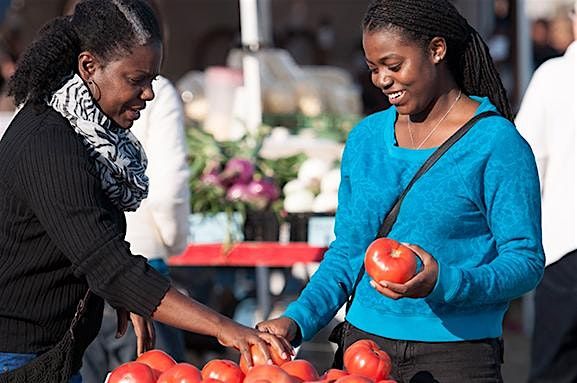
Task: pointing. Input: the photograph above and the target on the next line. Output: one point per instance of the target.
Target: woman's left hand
(145, 334)
(143, 328)
(419, 286)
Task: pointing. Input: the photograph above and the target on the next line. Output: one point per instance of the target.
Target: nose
(382, 80)
(147, 93)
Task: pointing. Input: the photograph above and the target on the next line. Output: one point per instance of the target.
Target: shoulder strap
(80, 311)
(391, 217)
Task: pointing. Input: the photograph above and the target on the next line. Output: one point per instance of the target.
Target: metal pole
(263, 293)
(250, 65)
(524, 48)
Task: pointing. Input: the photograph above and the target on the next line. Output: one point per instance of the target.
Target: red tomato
(301, 369)
(258, 358)
(180, 373)
(387, 381)
(364, 357)
(224, 370)
(334, 374)
(158, 360)
(210, 380)
(388, 260)
(132, 372)
(267, 374)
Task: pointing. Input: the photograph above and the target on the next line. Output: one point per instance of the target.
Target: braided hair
(468, 56)
(109, 29)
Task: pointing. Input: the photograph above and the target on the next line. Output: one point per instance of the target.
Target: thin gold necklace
(434, 128)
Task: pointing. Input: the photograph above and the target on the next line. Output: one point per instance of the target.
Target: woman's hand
(419, 286)
(232, 334)
(145, 333)
(284, 327)
(143, 328)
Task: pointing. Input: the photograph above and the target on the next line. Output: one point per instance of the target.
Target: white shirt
(159, 227)
(548, 121)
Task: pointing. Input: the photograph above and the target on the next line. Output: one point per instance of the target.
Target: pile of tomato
(364, 363)
(385, 259)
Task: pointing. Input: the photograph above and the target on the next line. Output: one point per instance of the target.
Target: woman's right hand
(283, 326)
(232, 334)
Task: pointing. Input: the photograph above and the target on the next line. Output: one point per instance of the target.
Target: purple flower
(238, 170)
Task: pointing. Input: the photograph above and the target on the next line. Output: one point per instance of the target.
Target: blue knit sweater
(477, 211)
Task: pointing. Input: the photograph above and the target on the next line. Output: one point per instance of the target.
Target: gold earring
(96, 90)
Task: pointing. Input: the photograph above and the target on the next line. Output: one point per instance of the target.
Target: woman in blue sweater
(473, 219)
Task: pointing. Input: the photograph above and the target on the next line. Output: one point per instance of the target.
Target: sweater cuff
(141, 290)
(304, 321)
(448, 281)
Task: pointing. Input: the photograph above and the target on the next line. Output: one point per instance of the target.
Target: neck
(437, 107)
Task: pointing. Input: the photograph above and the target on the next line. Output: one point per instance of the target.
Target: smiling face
(406, 72)
(122, 86)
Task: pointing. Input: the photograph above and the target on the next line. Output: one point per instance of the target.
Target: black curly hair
(109, 29)
(467, 54)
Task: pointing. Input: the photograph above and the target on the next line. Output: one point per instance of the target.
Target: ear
(437, 49)
(87, 65)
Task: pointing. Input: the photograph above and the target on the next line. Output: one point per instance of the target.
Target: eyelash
(139, 81)
(393, 68)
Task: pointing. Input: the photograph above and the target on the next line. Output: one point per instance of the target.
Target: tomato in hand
(158, 360)
(365, 358)
(132, 372)
(224, 370)
(301, 369)
(258, 358)
(389, 260)
(181, 373)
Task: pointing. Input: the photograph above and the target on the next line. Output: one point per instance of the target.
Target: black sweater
(59, 235)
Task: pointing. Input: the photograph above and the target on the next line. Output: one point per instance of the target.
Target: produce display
(364, 363)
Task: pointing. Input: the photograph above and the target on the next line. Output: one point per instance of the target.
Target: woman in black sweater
(69, 168)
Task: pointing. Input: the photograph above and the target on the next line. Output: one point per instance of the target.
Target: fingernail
(384, 284)
(373, 284)
(284, 356)
(269, 361)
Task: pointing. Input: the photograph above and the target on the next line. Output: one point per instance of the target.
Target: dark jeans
(477, 361)
(554, 348)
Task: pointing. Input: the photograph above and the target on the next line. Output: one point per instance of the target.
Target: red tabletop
(272, 254)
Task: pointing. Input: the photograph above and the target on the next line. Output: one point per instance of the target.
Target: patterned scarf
(120, 159)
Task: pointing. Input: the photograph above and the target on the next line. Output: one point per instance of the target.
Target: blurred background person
(548, 121)
(542, 50)
(560, 31)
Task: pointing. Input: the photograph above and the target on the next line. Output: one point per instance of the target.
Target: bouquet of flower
(231, 176)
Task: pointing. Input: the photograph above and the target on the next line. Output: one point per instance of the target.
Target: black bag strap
(391, 217)
(80, 311)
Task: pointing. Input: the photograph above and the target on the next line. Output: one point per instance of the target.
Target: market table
(260, 255)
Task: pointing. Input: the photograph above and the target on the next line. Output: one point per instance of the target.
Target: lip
(398, 99)
(133, 114)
